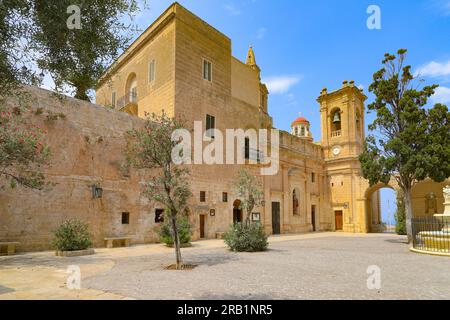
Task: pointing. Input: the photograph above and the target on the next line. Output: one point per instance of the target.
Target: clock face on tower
(336, 151)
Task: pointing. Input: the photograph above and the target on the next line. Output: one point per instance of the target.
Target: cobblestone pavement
(313, 266)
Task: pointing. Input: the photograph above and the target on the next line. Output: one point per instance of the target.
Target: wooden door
(202, 226)
(237, 216)
(276, 227)
(313, 217)
(339, 220)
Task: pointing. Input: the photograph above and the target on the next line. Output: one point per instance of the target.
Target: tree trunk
(81, 94)
(249, 212)
(176, 242)
(408, 213)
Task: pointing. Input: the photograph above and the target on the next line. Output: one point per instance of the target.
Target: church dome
(300, 120)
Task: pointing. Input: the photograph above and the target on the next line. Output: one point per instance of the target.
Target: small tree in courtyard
(249, 190)
(23, 150)
(409, 142)
(151, 148)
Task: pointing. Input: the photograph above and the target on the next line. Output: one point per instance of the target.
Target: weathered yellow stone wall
(86, 149)
(153, 96)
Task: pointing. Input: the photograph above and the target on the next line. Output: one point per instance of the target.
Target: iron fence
(431, 234)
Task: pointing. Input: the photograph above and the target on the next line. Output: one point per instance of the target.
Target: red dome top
(299, 120)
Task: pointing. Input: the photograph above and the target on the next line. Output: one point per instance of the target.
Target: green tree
(400, 215)
(78, 56)
(151, 148)
(249, 191)
(14, 56)
(408, 141)
(23, 150)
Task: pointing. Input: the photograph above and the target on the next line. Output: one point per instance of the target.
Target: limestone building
(185, 67)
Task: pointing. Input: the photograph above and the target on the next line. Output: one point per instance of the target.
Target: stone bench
(110, 241)
(10, 247)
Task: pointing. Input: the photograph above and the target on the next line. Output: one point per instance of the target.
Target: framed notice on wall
(256, 217)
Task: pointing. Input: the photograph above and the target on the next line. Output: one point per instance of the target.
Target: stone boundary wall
(87, 146)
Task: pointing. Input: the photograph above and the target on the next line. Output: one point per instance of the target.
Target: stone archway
(372, 205)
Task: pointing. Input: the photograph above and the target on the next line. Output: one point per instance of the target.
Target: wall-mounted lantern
(212, 212)
(97, 192)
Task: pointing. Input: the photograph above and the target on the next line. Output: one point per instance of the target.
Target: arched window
(336, 123)
(295, 202)
(303, 131)
(131, 88)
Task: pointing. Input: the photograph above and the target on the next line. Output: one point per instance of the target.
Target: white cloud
(261, 33)
(232, 9)
(434, 69)
(281, 84)
(441, 95)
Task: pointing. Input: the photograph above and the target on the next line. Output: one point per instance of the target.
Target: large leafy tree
(151, 148)
(249, 190)
(23, 150)
(14, 56)
(408, 141)
(77, 57)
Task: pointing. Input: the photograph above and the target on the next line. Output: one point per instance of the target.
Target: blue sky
(303, 46)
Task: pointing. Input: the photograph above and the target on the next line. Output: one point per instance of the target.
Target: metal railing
(123, 101)
(431, 234)
(336, 133)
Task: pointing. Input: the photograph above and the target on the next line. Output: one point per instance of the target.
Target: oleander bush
(246, 237)
(72, 235)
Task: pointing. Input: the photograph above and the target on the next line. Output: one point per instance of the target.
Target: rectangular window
(113, 100)
(210, 125)
(207, 70)
(125, 218)
(224, 197)
(247, 148)
(313, 177)
(202, 196)
(151, 71)
(159, 216)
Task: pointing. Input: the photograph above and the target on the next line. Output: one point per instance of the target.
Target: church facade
(185, 67)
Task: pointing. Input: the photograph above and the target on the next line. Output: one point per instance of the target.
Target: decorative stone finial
(251, 61)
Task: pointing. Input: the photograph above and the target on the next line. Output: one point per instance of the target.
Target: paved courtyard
(310, 266)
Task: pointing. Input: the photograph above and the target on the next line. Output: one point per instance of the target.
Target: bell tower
(342, 126)
(342, 121)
